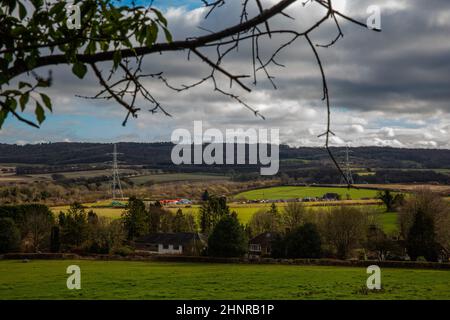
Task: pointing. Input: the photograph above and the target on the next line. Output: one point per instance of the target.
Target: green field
(174, 177)
(301, 192)
(157, 280)
(389, 221)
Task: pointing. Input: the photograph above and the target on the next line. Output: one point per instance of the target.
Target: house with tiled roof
(181, 243)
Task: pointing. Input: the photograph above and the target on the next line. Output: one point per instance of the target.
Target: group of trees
(302, 242)
(78, 230)
(226, 235)
(138, 221)
(424, 220)
(291, 217)
(303, 233)
(25, 227)
(46, 192)
(34, 228)
(424, 224)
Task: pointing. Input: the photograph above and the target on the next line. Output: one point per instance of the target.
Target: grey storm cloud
(390, 88)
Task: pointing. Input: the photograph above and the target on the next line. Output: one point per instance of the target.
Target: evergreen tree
(421, 240)
(74, 226)
(211, 212)
(228, 238)
(135, 219)
(304, 242)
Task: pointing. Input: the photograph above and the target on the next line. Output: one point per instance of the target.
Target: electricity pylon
(347, 170)
(116, 187)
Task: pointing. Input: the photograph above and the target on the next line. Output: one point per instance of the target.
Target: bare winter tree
(33, 38)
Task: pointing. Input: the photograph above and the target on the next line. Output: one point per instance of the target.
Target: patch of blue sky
(401, 123)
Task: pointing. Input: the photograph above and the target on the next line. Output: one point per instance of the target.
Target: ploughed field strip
(39, 279)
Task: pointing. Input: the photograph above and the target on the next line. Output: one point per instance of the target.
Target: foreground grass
(155, 280)
(301, 192)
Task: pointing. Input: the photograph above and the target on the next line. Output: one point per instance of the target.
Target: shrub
(123, 251)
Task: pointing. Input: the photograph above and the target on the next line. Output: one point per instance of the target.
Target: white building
(181, 243)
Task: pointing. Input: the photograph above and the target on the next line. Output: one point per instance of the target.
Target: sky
(387, 89)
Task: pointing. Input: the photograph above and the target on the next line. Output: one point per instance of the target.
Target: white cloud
(394, 88)
(389, 132)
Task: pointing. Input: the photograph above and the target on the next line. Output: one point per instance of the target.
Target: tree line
(339, 232)
(343, 232)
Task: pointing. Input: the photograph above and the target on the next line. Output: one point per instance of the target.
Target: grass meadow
(287, 192)
(43, 279)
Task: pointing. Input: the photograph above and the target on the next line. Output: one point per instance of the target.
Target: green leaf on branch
(117, 57)
(168, 35)
(79, 69)
(24, 100)
(48, 103)
(3, 116)
(40, 113)
(12, 103)
(151, 34)
(24, 84)
(160, 16)
(22, 11)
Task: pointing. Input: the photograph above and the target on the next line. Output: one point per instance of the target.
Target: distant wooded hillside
(297, 165)
(159, 154)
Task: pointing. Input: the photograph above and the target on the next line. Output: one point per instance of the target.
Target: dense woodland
(299, 165)
(158, 154)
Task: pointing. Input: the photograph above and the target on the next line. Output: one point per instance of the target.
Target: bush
(123, 251)
(421, 259)
(9, 236)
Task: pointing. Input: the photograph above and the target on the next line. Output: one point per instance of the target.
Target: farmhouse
(260, 245)
(182, 243)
